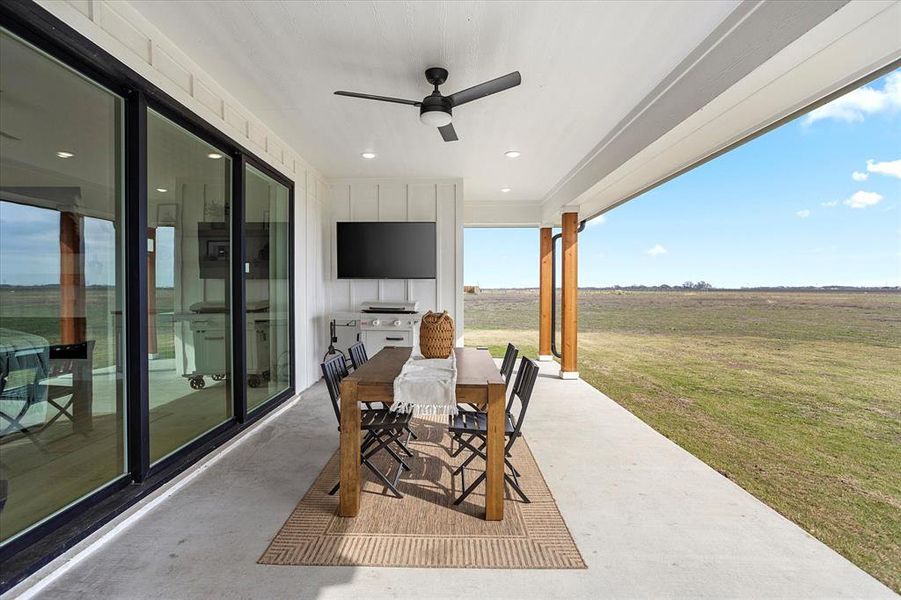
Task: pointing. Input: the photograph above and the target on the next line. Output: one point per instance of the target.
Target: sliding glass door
(62, 403)
(267, 287)
(188, 281)
(90, 177)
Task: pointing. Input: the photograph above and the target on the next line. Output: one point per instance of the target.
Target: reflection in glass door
(62, 401)
(267, 288)
(189, 258)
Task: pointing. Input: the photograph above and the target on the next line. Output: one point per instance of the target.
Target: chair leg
(384, 444)
(397, 457)
(512, 468)
(368, 441)
(476, 453)
(384, 479)
(403, 447)
(460, 447)
(470, 489)
(517, 489)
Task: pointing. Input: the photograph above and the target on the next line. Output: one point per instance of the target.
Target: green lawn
(36, 310)
(795, 396)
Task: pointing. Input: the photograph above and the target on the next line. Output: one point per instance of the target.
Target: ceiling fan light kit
(436, 110)
(435, 117)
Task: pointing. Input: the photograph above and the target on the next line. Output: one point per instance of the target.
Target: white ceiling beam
(749, 37)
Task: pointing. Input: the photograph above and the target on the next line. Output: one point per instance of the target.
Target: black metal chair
(506, 370)
(467, 427)
(508, 363)
(358, 355)
(383, 428)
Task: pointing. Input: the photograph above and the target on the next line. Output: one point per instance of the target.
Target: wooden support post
(494, 454)
(349, 499)
(152, 349)
(73, 324)
(570, 318)
(72, 321)
(545, 293)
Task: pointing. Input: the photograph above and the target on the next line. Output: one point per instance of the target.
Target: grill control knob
(376, 323)
(397, 323)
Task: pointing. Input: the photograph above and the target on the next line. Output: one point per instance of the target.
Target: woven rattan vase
(436, 335)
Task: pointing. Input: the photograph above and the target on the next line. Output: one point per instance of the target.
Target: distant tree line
(705, 286)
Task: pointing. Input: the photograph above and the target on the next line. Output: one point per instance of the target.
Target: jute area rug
(424, 528)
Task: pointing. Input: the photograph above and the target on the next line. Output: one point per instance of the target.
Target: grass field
(795, 396)
(36, 310)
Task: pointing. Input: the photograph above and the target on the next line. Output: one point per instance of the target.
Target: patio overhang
(603, 113)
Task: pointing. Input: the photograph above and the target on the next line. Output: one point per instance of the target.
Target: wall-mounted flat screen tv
(383, 250)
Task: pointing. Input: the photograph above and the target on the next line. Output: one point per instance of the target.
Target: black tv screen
(386, 250)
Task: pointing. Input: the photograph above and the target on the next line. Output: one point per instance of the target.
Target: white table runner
(427, 386)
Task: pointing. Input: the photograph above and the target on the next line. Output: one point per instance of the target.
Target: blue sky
(815, 202)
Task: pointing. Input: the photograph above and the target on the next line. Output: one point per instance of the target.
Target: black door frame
(51, 537)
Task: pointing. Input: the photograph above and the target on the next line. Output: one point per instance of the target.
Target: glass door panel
(62, 398)
(267, 288)
(189, 257)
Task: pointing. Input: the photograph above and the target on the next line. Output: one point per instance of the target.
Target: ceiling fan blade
(380, 98)
(494, 86)
(448, 133)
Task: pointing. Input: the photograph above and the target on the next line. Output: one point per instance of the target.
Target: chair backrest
(358, 355)
(525, 383)
(508, 363)
(516, 385)
(334, 370)
(66, 358)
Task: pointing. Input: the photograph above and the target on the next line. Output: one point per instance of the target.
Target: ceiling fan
(436, 110)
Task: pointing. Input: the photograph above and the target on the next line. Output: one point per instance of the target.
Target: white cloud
(890, 167)
(858, 176)
(657, 250)
(829, 204)
(803, 213)
(863, 199)
(855, 105)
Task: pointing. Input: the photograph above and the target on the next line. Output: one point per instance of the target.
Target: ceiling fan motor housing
(435, 111)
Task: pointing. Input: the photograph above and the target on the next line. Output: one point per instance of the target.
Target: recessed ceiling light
(368, 155)
(512, 153)
(214, 155)
(163, 190)
(64, 154)
(506, 189)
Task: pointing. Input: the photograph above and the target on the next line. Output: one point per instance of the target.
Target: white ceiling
(584, 67)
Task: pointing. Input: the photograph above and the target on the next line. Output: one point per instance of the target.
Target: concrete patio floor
(650, 520)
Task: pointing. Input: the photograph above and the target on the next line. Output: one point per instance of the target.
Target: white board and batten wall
(439, 200)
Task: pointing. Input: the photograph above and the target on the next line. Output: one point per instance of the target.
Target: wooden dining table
(478, 382)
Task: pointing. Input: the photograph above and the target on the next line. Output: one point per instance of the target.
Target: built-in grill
(377, 324)
(388, 324)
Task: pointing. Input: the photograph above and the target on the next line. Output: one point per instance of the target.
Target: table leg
(349, 504)
(494, 463)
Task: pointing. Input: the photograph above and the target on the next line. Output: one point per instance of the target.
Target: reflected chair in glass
(383, 428)
(62, 376)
